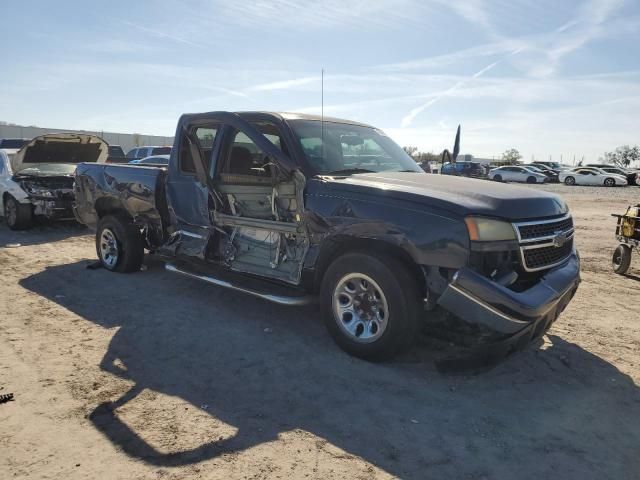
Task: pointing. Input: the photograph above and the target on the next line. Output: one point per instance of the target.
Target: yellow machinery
(628, 234)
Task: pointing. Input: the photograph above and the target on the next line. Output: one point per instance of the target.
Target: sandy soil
(151, 375)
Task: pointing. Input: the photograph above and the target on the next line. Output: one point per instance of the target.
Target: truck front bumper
(517, 318)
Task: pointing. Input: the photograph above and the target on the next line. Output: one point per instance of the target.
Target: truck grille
(538, 230)
(545, 243)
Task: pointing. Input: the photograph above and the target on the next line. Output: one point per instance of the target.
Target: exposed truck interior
(255, 205)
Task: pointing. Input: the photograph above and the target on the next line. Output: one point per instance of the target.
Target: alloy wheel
(108, 248)
(360, 308)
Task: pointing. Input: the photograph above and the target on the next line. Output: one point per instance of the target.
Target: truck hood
(60, 149)
(462, 196)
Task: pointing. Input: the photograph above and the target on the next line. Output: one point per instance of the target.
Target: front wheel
(570, 181)
(497, 178)
(371, 305)
(609, 182)
(17, 215)
(621, 259)
(119, 244)
(531, 179)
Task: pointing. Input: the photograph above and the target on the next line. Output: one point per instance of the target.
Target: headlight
(37, 190)
(489, 230)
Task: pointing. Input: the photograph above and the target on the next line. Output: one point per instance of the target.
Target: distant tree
(511, 156)
(623, 156)
(428, 157)
(411, 151)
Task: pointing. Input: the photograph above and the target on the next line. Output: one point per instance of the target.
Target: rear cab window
(205, 138)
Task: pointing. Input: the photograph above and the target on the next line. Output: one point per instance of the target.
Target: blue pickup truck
(295, 208)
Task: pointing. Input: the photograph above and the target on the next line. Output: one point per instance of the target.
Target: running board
(279, 299)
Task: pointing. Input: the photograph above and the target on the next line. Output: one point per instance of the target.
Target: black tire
(621, 259)
(17, 215)
(609, 182)
(531, 179)
(400, 289)
(497, 178)
(129, 244)
(570, 181)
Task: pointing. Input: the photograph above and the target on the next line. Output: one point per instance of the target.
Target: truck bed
(137, 191)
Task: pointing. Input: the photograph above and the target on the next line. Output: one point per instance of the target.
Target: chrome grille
(545, 243)
(541, 230)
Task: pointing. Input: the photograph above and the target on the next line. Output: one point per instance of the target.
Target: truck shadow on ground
(42, 231)
(266, 369)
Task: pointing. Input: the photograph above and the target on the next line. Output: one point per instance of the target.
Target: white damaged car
(591, 176)
(38, 179)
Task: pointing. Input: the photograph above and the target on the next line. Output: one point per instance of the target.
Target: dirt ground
(155, 376)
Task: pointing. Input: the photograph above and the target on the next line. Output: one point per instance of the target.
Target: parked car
(142, 152)
(517, 174)
(291, 209)
(552, 175)
(153, 160)
(631, 176)
(116, 154)
(12, 145)
(552, 165)
(464, 169)
(591, 176)
(38, 180)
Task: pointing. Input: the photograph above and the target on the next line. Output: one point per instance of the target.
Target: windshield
(350, 148)
(161, 151)
(45, 169)
(534, 169)
(13, 142)
(116, 151)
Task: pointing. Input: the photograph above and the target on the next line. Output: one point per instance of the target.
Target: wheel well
(343, 245)
(110, 206)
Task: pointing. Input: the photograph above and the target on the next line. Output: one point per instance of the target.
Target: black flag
(456, 145)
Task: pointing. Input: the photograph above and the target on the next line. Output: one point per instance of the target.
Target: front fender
(14, 189)
(429, 237)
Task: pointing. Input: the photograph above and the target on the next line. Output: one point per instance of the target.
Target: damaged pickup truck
(37, 180)
(294, 208)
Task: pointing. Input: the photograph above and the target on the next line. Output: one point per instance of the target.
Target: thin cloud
(407, 120)
(160, 34)
(284, 84)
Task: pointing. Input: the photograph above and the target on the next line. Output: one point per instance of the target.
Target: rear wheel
(621, 259)
(119, 244)
(17, 215)
(497, 178)
(570, 181)
(371, 305)
(609, 182)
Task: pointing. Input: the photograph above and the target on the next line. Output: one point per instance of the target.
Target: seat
(241, 161)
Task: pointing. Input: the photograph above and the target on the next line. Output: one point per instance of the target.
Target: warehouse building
(126, 140)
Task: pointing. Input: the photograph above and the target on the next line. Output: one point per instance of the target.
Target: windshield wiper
(350, 171)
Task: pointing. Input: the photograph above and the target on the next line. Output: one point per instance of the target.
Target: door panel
(189, 196)
(261, 212)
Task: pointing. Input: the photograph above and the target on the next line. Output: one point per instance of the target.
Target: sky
(547, 77)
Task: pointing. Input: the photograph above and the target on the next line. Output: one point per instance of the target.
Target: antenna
(322, 113)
